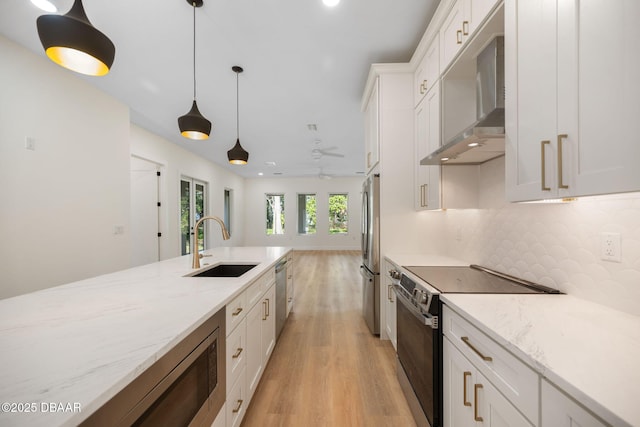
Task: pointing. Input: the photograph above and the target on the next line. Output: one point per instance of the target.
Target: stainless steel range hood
(484, 139)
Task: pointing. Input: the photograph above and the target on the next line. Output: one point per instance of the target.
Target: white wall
(557, 245)
(177, 162)
(255, 212)
(60, 203)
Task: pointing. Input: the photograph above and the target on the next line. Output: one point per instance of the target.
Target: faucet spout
(225, 235)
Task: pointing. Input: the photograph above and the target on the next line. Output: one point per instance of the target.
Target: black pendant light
(194, 125)
(237, 155)
(72, 42)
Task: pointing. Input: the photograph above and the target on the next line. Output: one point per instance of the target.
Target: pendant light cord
(237, 107)
(194, 50)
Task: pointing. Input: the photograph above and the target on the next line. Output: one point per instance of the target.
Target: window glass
(306, 213)
(275, 213)
(338, 214)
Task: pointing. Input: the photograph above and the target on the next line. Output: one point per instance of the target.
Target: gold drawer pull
(264, 310)
(544, 165)
(560, 183)
(237, 353)
(464, 388)
(475, 402)
(459, 37)
(238, 311)
(465, 28)
(482, 356)
(268, 308)
(237, 408)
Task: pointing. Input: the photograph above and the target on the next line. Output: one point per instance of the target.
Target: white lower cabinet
(261, 338)
(250, 342)
(470, 399)
(483, 383)
(237, 402)
(559, 410)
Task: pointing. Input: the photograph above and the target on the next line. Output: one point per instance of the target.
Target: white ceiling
(304, 64)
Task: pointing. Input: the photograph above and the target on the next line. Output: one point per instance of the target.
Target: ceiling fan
(318, 153)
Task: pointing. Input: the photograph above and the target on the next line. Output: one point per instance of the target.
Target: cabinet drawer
(254, 293)
(236, 310)
(517, 381)
(236, 352)
(237, 402)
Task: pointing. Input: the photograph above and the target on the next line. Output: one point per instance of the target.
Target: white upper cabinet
(463, 20)
(571, 98)
(451, 38)
(371, 130)
(428, 71)
(427, 139)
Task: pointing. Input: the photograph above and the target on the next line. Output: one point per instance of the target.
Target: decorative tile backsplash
(557, 245)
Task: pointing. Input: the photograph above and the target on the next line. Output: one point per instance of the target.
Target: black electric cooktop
(475, 280)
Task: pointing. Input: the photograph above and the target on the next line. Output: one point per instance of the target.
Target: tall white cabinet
(427, 140)
(571, 70)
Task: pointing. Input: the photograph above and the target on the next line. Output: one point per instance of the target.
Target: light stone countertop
(590, 351)
(81, 343)
(423, 259)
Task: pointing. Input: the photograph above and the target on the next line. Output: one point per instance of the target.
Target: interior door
(145, 212)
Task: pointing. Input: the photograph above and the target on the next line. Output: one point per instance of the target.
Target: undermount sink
(225, 270)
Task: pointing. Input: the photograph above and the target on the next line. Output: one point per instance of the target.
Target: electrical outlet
(610, 247)
(118, 229)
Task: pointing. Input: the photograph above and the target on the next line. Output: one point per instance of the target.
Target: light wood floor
(327, 369)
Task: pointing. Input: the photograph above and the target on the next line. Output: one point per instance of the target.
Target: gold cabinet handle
(237, 353)
(465, 28)
(476, 351)
(389, 293)
(426, 195)
(475, 402)
(369, 159)
(268, 308)
(560, 138)
(421, 88)
(543, 163)
(237, 408)
(464, 388)
(459, 37)
(264, 310)
(238, 311)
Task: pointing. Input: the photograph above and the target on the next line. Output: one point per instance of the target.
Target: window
(338, 214)
(275, 213)
(192, 208)
(227, 209)
(306, 213)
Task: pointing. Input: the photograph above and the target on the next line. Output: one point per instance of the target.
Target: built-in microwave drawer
(512, 377)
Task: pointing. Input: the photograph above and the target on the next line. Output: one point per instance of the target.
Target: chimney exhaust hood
(484, 139)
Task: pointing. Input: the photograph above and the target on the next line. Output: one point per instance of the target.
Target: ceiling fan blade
(333, 154)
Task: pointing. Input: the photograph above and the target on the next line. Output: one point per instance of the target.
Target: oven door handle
(425, 319)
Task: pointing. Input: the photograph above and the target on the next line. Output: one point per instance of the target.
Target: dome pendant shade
(237, 155)
(194, 125)
(72, 42)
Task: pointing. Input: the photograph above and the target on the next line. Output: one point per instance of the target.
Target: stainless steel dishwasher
(281, 295)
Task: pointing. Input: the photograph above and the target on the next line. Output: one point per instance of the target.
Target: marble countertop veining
(590, 351)
(77, 345)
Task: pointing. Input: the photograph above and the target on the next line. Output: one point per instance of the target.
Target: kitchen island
(67, 350)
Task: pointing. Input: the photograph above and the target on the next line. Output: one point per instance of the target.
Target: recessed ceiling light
(260, 174)
(331, 3)
(444, 159)
(45, 5)
(473, 144)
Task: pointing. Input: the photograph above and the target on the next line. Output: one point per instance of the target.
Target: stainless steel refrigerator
(370, 245)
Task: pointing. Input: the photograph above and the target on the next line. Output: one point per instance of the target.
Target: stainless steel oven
(419, 335)
(186, 387)
(419, 351)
